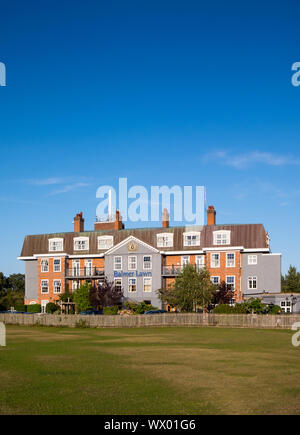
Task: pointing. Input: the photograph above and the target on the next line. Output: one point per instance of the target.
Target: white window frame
(55, 265)
(129, 285)
(230, 283)
(185, 260)
(88, 266)
(145, 279)
(43, 281)
(213, 263)
(75, 268)
(109, 242)
(250, 280)
(54, 285)
(227, 262)
(146, 262)
(164, 240)
(188, 238)
(212, 279)
(130, 264)
(80, 246)
(56, 245)
(120, 280)
(252, 259)
(121, 262)
(224, 240)
(44, 261)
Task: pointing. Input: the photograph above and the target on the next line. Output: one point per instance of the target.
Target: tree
(223, 294)
(106, 294)
(291, 281)
(81, 297)
(16, 282)
(190, 290)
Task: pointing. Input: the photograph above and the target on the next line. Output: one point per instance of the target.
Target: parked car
(91, 312)
(156, 312)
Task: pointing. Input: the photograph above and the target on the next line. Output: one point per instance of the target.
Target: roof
(250, 236)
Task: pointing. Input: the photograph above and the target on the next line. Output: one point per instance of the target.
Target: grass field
(149, 371)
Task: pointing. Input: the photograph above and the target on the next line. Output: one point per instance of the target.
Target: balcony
(86, 273)
(176, 270)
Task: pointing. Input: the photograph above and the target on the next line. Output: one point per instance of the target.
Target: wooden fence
(283, 321)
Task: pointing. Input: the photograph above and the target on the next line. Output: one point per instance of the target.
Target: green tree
(291, 281)
(16, 282)
(190, 290)
(81, 297)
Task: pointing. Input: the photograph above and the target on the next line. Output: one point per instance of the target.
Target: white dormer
(105, 242)
(164, 240)
(221, 237)
(56, 245)
(191, 238)
(81, 243)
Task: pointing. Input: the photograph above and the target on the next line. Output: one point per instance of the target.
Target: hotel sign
(136, 273)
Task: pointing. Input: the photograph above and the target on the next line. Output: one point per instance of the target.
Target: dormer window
(191, 238)
(56, 245)
(105, 242)
(165, 240)
(81, 244)
(221, 237)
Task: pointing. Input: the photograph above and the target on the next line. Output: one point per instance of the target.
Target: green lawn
(149, 371)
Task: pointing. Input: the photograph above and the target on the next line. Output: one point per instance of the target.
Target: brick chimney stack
(165, 218)
(117, 224)
(211, 215)
(78, 223)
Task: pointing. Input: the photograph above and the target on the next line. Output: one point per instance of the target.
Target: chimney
(165, 218)
(211, 215)
(117, 224)
(78, 223)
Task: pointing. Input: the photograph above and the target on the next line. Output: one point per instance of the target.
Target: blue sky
(181, 92)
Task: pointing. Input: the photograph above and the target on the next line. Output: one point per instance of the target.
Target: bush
(20, 307)
(274, 309)
(223, 309)
(51, 308)
(142, 307)
(111, 311)
(35, 308)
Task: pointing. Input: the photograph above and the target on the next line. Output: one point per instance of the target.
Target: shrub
(35, 308)
(20, 307)
(142, 307)
(223, 309)
(52, 308)
(112, 311)
(274, 309)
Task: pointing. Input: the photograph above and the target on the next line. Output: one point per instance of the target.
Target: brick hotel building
(144, 260)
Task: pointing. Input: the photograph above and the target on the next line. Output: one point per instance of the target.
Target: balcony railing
(176, 270)
(87, 272)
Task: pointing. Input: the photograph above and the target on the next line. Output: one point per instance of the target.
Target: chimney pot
(211, 215)
(165, 218)
(78, 223)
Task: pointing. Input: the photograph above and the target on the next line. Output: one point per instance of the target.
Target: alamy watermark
(295, 341)
(296, 75)
(138, 204)
(2, 74)
(2, 334)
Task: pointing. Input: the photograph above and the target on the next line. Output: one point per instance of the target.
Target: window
(117, 263)
(191, 239)
(185, 260)
(75, 285)
(252, 259)
(221, 237)
(105, 242)
(147, 263)
(44, 286)
(56, 245)
(215, 260)
(165, 240)
(132, 285)
(147, 285)
(45, 266)
(88, 267)
(57, 265)
(76, 267)
(230, 260)
(286, 306)
(230, 281)
(132, 262)
(215, 280)
(81, 244)
(57, 286)
(252, 283)
(118, 284)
